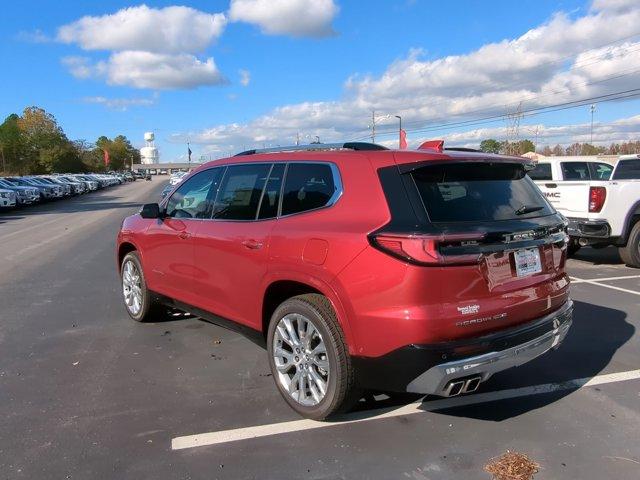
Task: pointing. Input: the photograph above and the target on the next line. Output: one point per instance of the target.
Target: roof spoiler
(437, 145)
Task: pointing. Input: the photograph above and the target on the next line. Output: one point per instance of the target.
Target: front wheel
(630, 253)
(138, 300)
(309, 359)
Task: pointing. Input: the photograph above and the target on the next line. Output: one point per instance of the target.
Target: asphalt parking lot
(87, 393)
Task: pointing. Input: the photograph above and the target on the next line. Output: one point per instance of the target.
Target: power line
(532, 111)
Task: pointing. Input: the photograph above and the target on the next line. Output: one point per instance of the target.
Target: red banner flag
(106, 158)
(403, 140)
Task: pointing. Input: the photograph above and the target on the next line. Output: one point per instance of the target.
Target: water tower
(149, 153)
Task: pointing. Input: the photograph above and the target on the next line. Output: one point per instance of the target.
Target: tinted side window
(271, 197)
(541, 172)
(307, 186)
(193, 198)
(628, 170)
(600, 171)
(575, 171)
(240, 192)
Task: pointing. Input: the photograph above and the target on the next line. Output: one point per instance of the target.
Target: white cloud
(245, 77)
(121, 104)
(166, 30)
(562, 60)
(297, 18)
(149, 70)
(35, 36)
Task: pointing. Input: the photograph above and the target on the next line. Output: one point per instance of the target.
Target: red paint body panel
(382, 303)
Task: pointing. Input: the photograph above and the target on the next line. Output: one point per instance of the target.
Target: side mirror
(150, 210)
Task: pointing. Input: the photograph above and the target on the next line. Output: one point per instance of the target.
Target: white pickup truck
(601, 202)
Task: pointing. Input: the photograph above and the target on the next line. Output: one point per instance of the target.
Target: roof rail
(462, 149)
(315, 147)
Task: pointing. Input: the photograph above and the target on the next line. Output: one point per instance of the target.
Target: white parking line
(608, 279)
(227, 436)
(575, 280)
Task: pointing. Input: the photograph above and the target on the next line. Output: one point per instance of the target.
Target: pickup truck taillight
(425, 249)
(597, 196)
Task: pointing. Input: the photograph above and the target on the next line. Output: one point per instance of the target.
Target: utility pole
(593, 109)
(399, 132)
(297, 138)
(513, 129)
(375, 120)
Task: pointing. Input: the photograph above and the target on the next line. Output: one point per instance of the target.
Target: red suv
(360, 267)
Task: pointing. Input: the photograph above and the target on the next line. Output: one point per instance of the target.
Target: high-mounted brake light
(437, 145)
(425, 249)
(597, 196)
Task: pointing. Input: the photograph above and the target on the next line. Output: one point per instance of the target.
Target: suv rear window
(471, 192)
(627, 170)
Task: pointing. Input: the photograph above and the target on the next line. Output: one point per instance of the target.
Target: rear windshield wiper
(528, 209)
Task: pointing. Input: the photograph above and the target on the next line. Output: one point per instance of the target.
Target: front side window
(240, 192)
(193, 198)
(307, 186)
(600, 171)
(575, 171)
(541, 172)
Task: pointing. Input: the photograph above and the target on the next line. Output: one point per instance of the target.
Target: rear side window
(575, 171)
(627, 170)
(473, 192)
(240, 192)
(541, 172)
(307, 186)
(271, 197)
(600, 171)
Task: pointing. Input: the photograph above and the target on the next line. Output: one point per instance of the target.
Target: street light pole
(399, 132)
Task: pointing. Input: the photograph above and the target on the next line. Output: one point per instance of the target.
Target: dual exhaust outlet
(462, 385)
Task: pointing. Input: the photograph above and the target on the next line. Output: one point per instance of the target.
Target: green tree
(11, 146)
(490, 145)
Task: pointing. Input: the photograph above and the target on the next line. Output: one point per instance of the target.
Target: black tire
(150, 309)
(630, 253)
(572, 248)
(341, 392)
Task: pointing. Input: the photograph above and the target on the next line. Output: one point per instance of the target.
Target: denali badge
(519, 236)
(469, 309)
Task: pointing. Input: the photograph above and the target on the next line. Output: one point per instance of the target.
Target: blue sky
(422, 59)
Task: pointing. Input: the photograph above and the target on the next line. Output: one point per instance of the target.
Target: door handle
(184, 235)
(550, 185)
(252, 244)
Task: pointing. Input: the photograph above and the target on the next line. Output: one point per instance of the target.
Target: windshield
(469, 192)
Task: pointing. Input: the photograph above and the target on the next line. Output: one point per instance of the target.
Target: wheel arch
(124, 248)
(281, 289)
(632, 217)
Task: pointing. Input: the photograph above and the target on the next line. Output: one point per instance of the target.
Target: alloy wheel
(132, 287)
(300, 357)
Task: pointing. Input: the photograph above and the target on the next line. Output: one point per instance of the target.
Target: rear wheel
(138, 300)
(309, 359)
(630, 253)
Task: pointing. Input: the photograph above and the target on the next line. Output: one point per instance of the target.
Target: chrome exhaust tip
(454, 388)
(471, 385)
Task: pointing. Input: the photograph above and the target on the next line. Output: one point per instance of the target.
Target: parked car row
(27, 190)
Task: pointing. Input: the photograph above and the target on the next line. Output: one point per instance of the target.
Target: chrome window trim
(337, 180)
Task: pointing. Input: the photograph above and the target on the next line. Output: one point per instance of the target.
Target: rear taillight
(426, 249)
(597, 196)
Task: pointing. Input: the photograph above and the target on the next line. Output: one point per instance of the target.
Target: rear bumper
(430, 369)
(584, 228)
